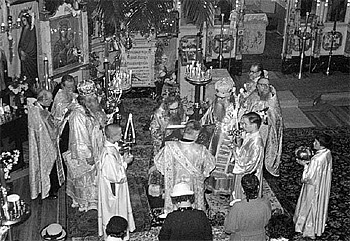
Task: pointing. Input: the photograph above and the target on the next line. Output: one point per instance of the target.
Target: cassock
(182, 161)
(250, 158)
(112, 169)
(311, 211)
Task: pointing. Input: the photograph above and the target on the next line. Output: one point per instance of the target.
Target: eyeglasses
(263, 85)
(253, 72)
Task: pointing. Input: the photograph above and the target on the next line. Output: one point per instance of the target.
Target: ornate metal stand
(304, 36)
(333, 33)
(196, 76)
(221, 40)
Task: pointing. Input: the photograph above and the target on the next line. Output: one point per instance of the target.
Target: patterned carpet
(286, 187)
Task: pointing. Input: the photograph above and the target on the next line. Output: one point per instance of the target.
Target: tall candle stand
(106, 77)
(197, 75)
(129, 135)
(304, 36)
(121, 83)
(221, 40)
(333, 33)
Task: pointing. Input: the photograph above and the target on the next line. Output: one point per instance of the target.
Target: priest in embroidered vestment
(248, 156)
(264, 101)
(86, 123)
(43, 148)
(170, 112)
(223, 114)
(185, 161)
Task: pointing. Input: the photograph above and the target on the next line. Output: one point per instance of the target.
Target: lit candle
(3, 27)
(18, 22)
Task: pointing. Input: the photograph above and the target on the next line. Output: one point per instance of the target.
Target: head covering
(116, 225)
(54, 231)
(86, 87)
(224, 87)
(181, 189)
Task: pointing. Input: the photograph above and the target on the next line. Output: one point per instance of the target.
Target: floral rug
(83, 226)
(287, 187)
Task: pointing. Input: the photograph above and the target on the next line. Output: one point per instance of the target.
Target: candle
(132, 128)
(126, 129)
(18, 22)
(46, 72)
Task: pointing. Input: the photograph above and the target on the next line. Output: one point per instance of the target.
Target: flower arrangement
(18, 86)
(8, 160)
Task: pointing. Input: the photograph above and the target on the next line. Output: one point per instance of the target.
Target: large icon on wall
(66, 42)
(187, 49)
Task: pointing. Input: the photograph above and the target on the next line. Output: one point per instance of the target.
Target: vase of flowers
(7, 160)
(19, 88)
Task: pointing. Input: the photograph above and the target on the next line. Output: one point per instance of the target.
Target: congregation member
(185, 161)
(248, 154)
(170, 112)
(113, 191)
(116, 229)
(312, 208)
(222, 114)
(86, 138)
(248, 217)
(264, 101)
(185, 222)
(43, 149)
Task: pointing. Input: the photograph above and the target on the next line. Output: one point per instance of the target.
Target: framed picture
(66, 43)
(188, 49)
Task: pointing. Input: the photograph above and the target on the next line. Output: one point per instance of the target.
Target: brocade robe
(181, 161)
(60, 104)
(250, 158)
(159, 131)
(221, 179)
(271, 130)
(43, 150)
(112, 169)
(312, 208)
(85, 142)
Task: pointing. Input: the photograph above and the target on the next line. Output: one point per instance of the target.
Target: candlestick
(106, 79)
(46, 73)
(126, 129)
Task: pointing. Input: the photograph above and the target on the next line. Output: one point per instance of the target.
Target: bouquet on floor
(8, 160)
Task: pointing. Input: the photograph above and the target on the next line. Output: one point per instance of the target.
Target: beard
(264, 95)
(175, 118)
